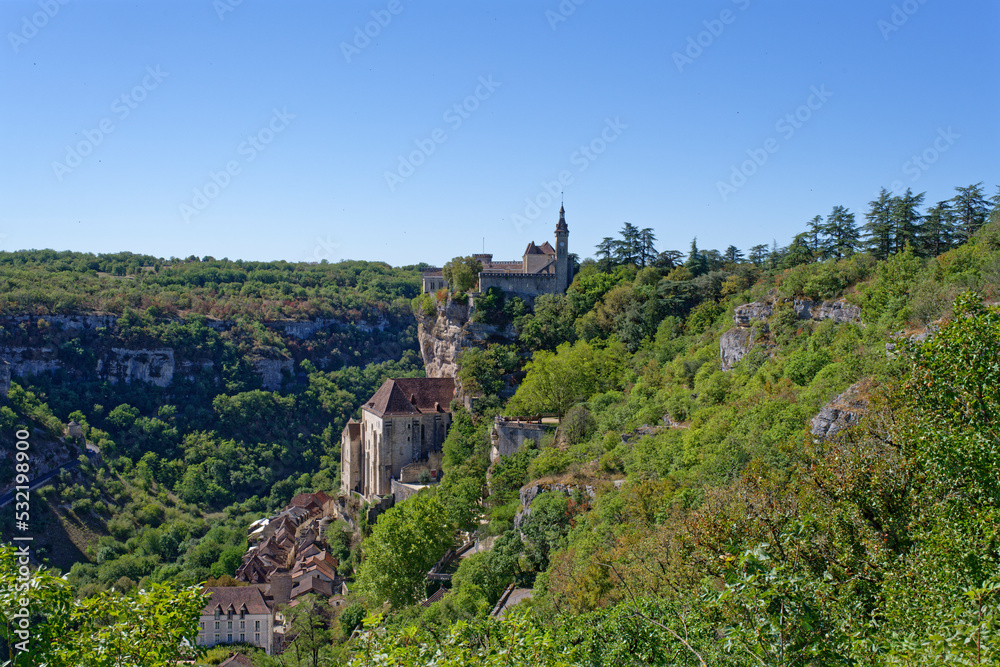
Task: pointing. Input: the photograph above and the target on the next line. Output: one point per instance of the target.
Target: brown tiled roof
(313, 584)
(437, 595)
(431, 271)
(405, 396)
(532, 249)
(237, 660)
(547, 248)
(235, 598)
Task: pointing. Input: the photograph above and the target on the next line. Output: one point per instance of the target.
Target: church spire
(561, 225)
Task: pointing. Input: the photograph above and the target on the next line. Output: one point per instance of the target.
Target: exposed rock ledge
(734, 345)
(444, 336)
(843, 411)
(838, 311)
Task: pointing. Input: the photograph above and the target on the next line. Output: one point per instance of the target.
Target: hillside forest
(683, 511)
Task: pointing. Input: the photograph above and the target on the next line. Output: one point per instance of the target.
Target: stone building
(241, 614)
(542, 269)
(404, 422)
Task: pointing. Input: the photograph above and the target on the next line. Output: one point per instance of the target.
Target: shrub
(551, 461)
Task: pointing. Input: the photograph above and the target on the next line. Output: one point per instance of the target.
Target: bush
(551, 461)
(802, 366)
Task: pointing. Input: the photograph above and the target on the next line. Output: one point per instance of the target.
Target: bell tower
(563, 270)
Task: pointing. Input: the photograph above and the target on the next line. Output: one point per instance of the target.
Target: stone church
(399, 436)
(543, 269)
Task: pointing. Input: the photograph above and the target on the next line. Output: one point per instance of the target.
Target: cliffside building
(402, 424)
(543, 269)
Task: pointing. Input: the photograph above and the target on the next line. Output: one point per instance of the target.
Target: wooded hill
(682, 513)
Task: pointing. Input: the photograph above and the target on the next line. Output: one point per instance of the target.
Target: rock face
(745, 315)
(844, 411)
(442, 339)
(4, 378)
(25, 361)
(155, 367)
(734, 345)
(838, 311)
(271, 371)
(531, 491)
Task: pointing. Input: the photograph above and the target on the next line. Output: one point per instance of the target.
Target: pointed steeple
(561, 225)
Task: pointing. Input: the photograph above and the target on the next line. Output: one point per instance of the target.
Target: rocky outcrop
(838, 311)
(845, 410)
(529, 492)
(25, 361)
(4, 378)
(442, 338)
(746, 314)
(734, 345)
(271, 371)
(155, 366)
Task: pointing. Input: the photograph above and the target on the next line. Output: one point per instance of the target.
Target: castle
(541, 270)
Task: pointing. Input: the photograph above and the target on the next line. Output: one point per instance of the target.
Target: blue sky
(280, 130)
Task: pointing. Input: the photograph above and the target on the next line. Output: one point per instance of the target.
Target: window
(201, 624)
(229, 625)
(230, 640)
(241, 613)
(257, 638)
(243, 638)
(243, 624)
(216, 637)
(256, 625)
(216, 625)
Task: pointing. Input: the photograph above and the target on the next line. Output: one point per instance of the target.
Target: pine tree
(906, 219)
(937, 233)
(758, 254)
(842, 237)
(970, 209)
(733, 255)
(647, 249)
(696, 262)
(878, 229)
(629, 248)
(815, 229)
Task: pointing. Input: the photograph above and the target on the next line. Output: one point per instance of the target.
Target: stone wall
(526, 286)
(507, 437)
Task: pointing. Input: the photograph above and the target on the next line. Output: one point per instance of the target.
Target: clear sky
(274, 129)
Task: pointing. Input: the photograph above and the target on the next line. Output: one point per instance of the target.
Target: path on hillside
(8, 497)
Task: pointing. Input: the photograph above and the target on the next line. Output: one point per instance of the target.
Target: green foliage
(404, 544)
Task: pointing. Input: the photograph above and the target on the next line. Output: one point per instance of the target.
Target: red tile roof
(237, 660)
(403, 396)
(547, 248)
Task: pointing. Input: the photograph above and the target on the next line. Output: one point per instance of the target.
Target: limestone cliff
(155, 367)
(843, 411)
(444, 335)
(737, 342)
(4, 378)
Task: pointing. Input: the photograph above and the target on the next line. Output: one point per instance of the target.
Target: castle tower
(564, 270)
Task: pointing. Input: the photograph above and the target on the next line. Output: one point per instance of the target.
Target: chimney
(281, 587)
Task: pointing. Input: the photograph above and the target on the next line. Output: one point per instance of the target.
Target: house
(237, 660)
(405, 421)
(239, 614)
(542, 269)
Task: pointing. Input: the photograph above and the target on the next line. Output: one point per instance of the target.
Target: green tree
(970, 208)
(879, 237)
(841, 234)
(462, 273)
(403, 546)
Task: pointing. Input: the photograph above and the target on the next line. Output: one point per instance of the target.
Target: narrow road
(8, 497)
